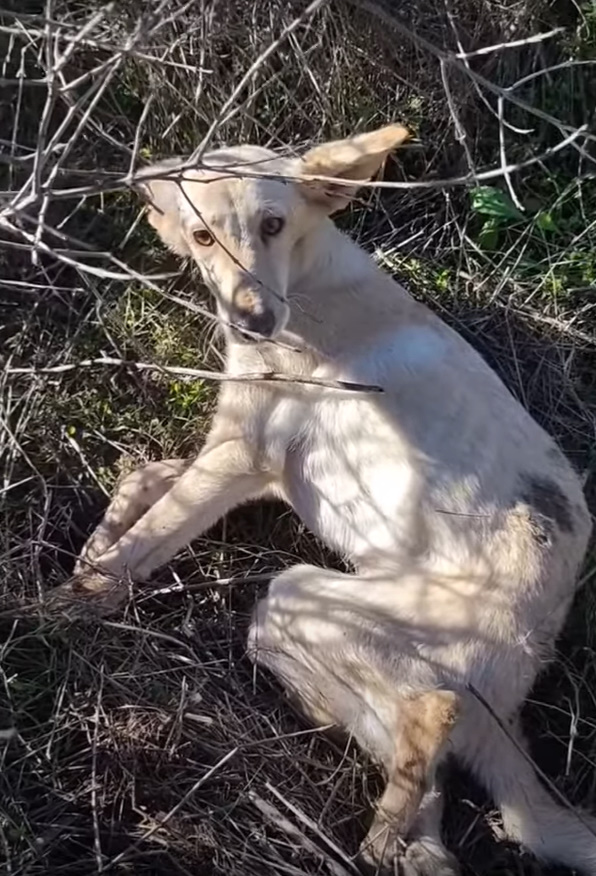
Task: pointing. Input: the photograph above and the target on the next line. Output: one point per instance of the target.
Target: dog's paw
(385, 853)
(381, 851)
(88, 594)
(426, 857)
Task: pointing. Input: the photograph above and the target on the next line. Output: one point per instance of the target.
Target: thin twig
(460, 132)
(256, 377)
(209, 583)
(392, 21)
(94, 777)
(503, 154)
(576, 334)
(564, 65)
(513, 44)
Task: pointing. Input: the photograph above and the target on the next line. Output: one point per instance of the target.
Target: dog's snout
(262, 324)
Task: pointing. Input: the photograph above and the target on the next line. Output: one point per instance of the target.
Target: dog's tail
(531, 817)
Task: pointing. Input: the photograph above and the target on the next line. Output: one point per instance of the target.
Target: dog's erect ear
(358, 158)
(162, 194)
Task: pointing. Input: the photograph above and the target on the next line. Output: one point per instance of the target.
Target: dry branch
(198, 374)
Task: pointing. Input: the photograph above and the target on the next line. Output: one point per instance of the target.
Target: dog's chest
(348, 476)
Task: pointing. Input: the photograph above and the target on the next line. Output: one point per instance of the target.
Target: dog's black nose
(262, 324)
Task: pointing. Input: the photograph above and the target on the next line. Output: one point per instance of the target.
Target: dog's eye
(272, 225)
(203, 237)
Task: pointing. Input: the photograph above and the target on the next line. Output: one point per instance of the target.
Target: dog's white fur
(464, 523)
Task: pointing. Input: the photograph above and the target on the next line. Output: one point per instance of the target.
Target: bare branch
(513, 44)
(446, 182)
(502, 152)
(194, 373)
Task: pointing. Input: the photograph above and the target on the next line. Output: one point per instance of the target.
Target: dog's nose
(261, 324)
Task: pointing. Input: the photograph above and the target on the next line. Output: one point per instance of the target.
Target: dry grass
(144, 744)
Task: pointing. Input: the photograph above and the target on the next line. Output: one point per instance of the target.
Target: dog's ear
(358, 158)
(160, 188)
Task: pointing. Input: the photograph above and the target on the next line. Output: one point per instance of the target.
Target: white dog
(464, 523)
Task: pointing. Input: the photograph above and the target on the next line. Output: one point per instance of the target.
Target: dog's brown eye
(203, 237)
(272, 225)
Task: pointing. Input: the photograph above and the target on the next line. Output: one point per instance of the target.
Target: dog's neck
(338, 295)
(340, 300)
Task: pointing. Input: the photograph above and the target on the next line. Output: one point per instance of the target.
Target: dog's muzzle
(262, 324)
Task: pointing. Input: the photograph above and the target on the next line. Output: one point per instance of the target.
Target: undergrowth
(145, 744)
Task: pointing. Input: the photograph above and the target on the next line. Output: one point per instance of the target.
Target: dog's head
(243, 215)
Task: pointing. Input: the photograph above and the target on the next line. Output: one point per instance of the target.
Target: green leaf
(545, 222)
(489, 201)
(489, 234)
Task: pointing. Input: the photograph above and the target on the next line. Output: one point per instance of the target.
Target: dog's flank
(465, 528)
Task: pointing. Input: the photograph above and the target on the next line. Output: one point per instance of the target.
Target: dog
(463, 522)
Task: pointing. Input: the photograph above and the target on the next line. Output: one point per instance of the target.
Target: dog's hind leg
(333, 661)
(407, 823)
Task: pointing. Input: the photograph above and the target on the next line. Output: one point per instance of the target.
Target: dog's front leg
(223, 476)
(133, 497)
